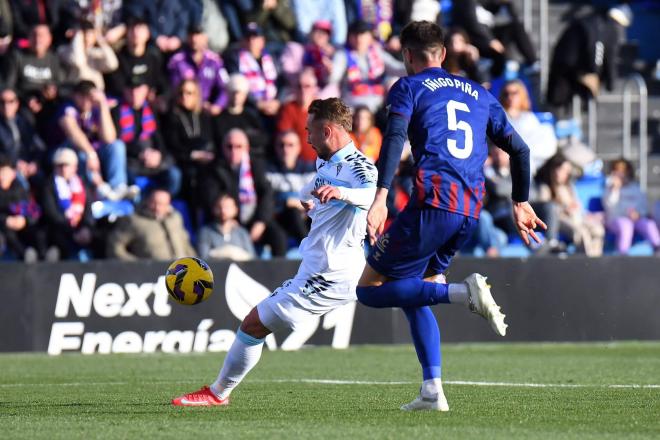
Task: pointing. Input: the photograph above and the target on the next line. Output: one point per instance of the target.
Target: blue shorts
(418, 240)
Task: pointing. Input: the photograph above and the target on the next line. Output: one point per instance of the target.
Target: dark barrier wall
(123, 307)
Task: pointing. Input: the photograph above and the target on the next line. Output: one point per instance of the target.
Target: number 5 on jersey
(454, 124)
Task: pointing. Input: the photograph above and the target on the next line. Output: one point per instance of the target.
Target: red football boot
(202, 397)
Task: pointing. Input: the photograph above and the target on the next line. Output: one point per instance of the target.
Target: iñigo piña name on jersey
(435, 84)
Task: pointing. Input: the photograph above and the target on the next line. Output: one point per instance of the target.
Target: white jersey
(333, 251)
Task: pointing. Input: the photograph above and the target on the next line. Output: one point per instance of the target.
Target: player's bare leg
(242, 356)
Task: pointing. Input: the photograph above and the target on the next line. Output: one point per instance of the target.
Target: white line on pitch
(351, 382)
(465, 382)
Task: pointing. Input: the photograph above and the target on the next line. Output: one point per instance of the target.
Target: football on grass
(189, 280)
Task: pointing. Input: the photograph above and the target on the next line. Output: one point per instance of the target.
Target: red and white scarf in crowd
(260, 75)
(373, 83)
(71, 198)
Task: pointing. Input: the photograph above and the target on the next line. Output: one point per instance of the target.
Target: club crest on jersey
(339, 166)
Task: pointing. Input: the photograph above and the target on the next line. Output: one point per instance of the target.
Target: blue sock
(426, 337)
(408, 292)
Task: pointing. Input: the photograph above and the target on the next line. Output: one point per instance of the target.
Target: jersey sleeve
(499, 127)
(504, 136)
(359, 197)
(361, 189)
(399, 99)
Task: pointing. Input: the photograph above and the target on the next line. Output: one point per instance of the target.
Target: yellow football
(189, 280)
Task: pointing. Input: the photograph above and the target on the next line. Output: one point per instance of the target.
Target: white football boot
(429, 400)
(482, 303)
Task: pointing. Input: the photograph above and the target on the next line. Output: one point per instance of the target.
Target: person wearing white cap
(66, 202)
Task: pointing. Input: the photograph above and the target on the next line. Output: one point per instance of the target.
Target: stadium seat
(545, 118)
(566, 128)
(590, 190)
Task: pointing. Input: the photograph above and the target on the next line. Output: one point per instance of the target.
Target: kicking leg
(242, 356)
(373, 291)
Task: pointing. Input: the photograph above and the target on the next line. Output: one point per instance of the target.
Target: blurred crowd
(162, 128)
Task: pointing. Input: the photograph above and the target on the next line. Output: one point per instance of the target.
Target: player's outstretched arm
(526, 221)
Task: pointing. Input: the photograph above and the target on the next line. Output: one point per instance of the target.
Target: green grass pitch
(525, 391)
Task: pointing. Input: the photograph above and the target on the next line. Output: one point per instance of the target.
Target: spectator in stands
(108, 18)
(293, 114)
(168, 20)
(585, 230)
(243, 176)
(492, 26)
(233, 10)
(462, 57)
(329, 14)
(18, 139)
(416, 10)
(19, 216)
(38, 69)
(224, 237)
(138, 59)
(240, 113)
(539, 137)
(197, 62)
(86, 124)
(88, 56)
(488, 238)
(6, 19)
(277, 21)
(155, 232)
(66, 202)
(258, 66)
(585, 55)
(362, 67)
(319, 50)
(189, 135)
(147, 154)
(366, 136)
(626, 208)
(7, 56)
(28, 13)
(498, 186)
(215, 25)
(378, 14)
(288, 174)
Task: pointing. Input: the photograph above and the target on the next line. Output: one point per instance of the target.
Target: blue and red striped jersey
(449, 118)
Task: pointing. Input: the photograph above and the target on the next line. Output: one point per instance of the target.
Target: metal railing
(634, 91)
(543, 37)
(642, 94)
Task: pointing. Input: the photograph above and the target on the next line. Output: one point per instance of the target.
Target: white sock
(242, 356)
(431, 388)
(458, 293)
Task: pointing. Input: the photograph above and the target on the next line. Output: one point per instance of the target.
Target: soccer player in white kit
(337, 201)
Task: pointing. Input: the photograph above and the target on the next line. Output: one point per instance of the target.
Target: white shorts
(299, 300)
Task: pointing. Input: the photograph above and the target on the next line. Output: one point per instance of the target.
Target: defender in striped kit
(447, 119)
